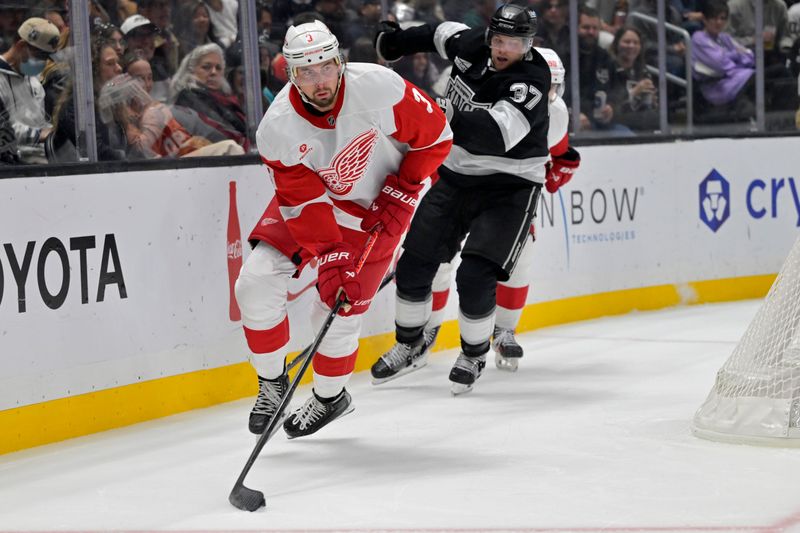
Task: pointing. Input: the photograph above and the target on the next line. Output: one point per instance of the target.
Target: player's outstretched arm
(393, 42)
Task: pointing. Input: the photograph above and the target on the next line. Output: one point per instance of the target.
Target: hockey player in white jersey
(511, 294)
(489, 184)
(347, 148)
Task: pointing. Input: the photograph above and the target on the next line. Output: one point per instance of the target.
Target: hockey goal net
(756, 396)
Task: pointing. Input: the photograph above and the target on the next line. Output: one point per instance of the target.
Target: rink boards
(115, 289)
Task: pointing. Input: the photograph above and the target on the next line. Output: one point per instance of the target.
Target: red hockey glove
(393, 208)
(561, 169)
(337, 270)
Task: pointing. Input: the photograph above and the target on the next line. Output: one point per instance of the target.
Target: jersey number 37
(522, 92)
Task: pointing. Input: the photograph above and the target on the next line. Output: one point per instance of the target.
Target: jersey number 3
(520, 94)
(421, 99)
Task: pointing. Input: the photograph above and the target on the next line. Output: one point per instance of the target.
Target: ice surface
(592, 433)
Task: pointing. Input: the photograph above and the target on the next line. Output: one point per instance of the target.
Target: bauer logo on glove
(400, 195)
(393, 208)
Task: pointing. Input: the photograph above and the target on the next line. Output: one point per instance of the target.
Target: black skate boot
(506, 349)
(316, 413)
(403, 358)
(465, 372)
(270, 392)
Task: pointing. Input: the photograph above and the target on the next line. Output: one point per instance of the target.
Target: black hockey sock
(474, 350)
(412, 336)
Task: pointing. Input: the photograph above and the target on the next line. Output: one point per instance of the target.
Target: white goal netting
(756, 396)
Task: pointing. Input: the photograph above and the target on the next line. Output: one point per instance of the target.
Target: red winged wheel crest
(350, 164)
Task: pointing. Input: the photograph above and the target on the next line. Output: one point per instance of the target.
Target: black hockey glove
(386, 44)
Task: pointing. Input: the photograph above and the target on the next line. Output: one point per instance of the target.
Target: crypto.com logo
(715, 200)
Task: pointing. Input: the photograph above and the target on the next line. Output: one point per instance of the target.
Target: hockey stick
(296, 361)
(248, 499)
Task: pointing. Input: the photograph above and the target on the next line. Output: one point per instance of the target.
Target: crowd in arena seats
(169, 81)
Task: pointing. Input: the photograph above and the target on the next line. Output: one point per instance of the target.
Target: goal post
(756, 395)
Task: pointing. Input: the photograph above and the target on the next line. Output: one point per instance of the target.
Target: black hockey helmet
(513, 20)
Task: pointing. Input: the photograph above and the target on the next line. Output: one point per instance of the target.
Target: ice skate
(316, 413)
(506, 349)
(270, 392)
(403, 358)
(465, 372)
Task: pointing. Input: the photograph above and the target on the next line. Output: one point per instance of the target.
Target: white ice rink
(592, 434)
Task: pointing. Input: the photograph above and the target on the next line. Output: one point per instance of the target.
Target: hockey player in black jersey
(488, 186)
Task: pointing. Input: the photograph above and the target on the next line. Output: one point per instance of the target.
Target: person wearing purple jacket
(722, 66)
(725, 70)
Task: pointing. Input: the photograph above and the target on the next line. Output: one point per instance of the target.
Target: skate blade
(416, 365)
(506, 364)
(457, 389)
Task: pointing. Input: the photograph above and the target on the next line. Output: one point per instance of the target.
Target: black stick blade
(246, 499)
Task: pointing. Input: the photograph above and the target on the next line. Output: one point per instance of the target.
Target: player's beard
(325, 102)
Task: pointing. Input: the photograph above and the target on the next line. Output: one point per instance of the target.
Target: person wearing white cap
(21, 91)
(141, 35)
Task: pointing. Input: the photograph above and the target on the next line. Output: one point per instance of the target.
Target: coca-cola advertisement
(234, 252)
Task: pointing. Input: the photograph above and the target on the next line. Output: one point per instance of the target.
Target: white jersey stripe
(463, 162)
(346, 220)
(288, 213)
(525, 227)
(475, 330)
(444, 31)
(512, 123)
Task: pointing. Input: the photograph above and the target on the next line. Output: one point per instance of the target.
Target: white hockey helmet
(557, 71)
(309, 44)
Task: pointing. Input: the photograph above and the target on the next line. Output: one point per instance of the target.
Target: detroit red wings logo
(350, 164)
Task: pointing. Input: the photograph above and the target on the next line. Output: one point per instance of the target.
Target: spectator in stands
(338, 18)
(284, 13)
(21, 91)
(56, 18)
(370, 14)
(363, 51)
(428, 12)
(200, 85)
(111, 141)
(595, 68)
(632, 93)
(691, 16)
(8, 141)
(553, 31)
(224, 19)
(777, 36)
(793, 14)
(140, 34)
(193, 26)
(263, 20)
(167, 51)
(108, 32)
(419, 70)
(116, 10)
(270, 84)
(56, 74)
(480, 14)
(725, 69)
(721, 65)
(676, 47)
(152, 129)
